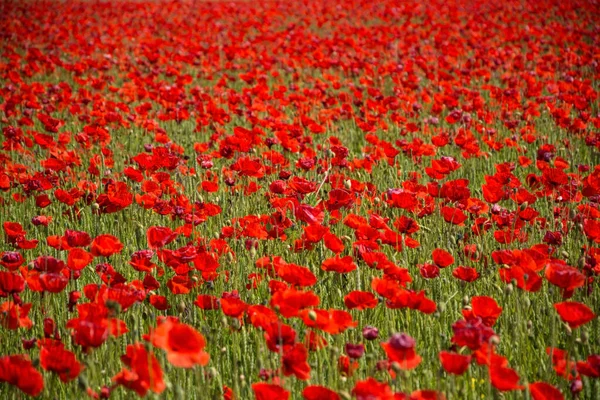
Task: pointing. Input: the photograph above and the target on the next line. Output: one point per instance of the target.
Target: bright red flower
(485, 308)
(315, 392)
(268, 391)
(454, 363)
(11, 283)
(106, 245)
(294, 362)
(144, 371)
(503, 378)
(78, 259)
(54, 357)
(400, 348)
(467, 274)
(575, 314)
(183, 344)
(341, 265)
(290, 301)
(17, 370)
(590, 367)
(544, 391)
(360, 300)
(370, 389)
(14, 316)
(442, 258)
(159, 236)
(564, 276)
(332, 321)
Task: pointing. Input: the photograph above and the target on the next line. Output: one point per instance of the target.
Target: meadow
(300, 199)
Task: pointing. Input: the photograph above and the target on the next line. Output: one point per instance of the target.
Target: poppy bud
(312, 315)
(576, 387)
(584, 337)
(181, 307)
(95, 206)
(508, 289)
(370, 332)
(28, 343)
(105, 392)
(49, 327)
(355, 351)
(466, 301)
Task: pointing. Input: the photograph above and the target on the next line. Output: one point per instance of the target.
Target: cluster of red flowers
(356, 130)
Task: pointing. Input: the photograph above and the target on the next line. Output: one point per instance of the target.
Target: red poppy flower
(144, 373)
(544, 391)
(332, 321)
(429, 271)
(442, 258)
(11, 260)
(268, 391)
(426, 395)
(14, 316)
(564, 276)
(341, 265)
(360, 300)
(590, 367)
(183, 344)
(466, 274)
(261, 316)
(233, 307)
(106, 245)
(78, 259)
(207, 302)
(290, 301)
(485, 308)
(453, 215)
(159, 236)
(279, 336)
(561, 363)
(17, 370)
(502, 377)
(77, 238)
(454, 363)
(315, 392)
(159, 302)
(372, 389)
(11, 283)
(333, 243)
(346, 365)
(296, 275)
(575, 314)
(54, 357)
(294, 362)
(400, 348)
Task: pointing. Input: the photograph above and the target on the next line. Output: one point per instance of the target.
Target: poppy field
(300, 200)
